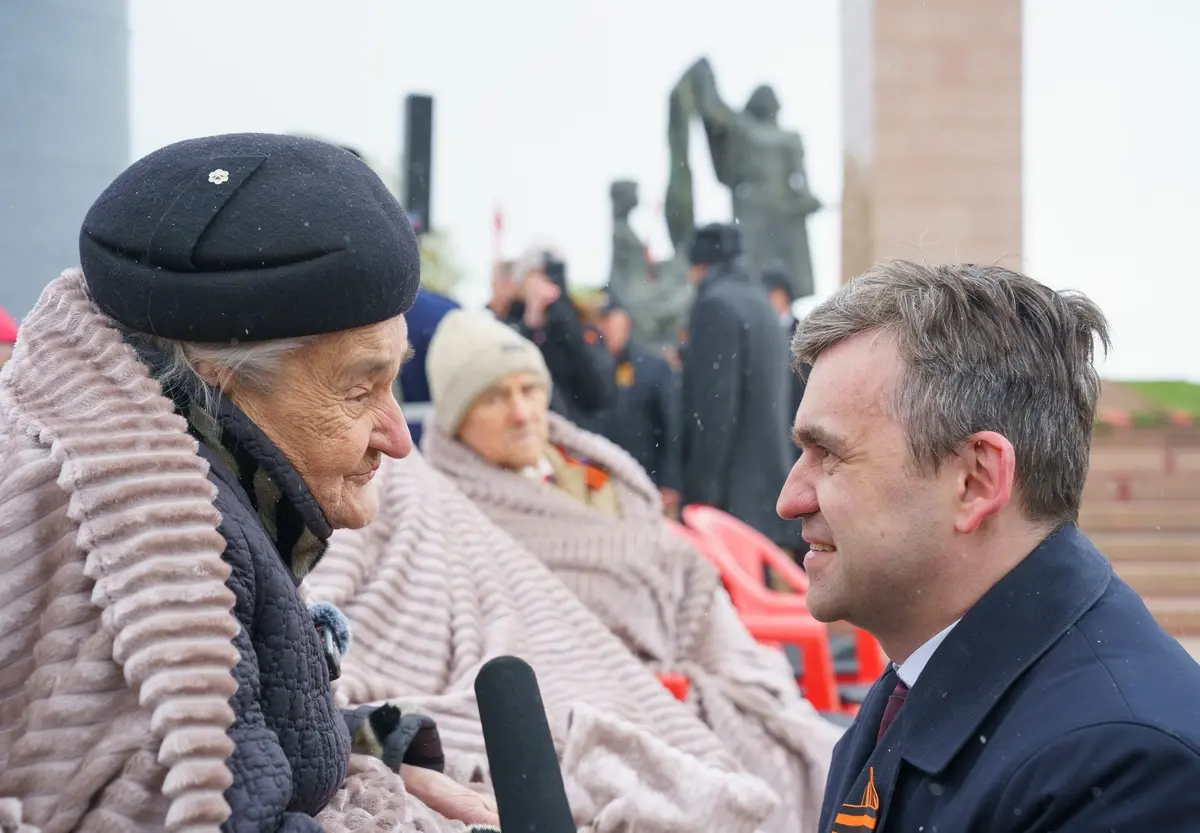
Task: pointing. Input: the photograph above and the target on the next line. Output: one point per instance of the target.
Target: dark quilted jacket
(292, 743)
(293, 746)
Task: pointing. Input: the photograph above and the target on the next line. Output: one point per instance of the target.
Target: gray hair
(174, 364)
(983, 349)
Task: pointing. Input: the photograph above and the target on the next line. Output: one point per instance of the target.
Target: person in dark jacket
(427, 312)
(945, 435)
(534, 301)
(736, 396)
(778, 284)
(645, 418)
(290, 402)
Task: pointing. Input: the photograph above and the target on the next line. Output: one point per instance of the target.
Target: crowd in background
(707, 418)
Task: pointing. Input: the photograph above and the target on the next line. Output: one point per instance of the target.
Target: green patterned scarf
(286, 507)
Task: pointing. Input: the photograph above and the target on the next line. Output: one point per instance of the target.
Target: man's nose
(798, 497)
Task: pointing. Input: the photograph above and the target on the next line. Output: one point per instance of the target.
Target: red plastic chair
(812, 639)
(795, 627)
(749, 594)
(751, 551)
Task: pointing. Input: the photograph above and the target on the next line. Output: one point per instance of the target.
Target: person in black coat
(778, 285)
(534, 301)
(736, 394)
(291, 405)
(645, 417)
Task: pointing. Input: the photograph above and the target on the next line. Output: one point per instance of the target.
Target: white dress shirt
(911, 668)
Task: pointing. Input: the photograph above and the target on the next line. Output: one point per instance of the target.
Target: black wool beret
(249, 237)
(715, 243)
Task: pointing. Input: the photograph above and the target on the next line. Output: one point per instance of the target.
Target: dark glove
(395, 738)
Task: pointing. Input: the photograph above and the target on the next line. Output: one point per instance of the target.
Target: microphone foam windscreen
(530, 795)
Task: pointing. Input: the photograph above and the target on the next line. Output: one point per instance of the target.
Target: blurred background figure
(778, 284)
(8, 336)
(413, 383)
(531, 297)
(646, 416)
(736, 400)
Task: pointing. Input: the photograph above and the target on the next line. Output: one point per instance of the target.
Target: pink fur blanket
(667, 604)
(115, 622)
(433, 590)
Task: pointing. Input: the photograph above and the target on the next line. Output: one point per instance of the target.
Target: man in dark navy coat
(945, 434)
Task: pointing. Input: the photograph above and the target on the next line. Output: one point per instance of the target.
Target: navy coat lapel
(1006, 632)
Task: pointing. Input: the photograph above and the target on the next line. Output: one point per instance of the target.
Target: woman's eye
(359, 395)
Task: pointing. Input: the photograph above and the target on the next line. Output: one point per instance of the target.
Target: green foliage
(439, 272)
(1170, 396)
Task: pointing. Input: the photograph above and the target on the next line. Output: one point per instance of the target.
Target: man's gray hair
(983, 349)
(174, 364)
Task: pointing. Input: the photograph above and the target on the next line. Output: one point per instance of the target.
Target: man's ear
(986, 479)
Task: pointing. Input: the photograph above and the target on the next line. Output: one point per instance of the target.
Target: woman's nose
(393, 437)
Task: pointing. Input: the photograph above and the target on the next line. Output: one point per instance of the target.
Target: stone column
(64, 132)
(931, 107)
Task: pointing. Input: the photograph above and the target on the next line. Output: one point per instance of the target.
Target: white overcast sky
(540, 104)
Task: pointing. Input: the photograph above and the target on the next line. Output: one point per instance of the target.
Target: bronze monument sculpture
(763, 166)
(657, 295)
(760, 162)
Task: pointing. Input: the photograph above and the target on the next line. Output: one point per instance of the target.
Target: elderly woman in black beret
(183, 424)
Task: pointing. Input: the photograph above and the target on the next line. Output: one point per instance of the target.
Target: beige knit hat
(471, 351)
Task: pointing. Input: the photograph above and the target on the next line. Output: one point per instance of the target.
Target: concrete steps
(1162, 579)
(1099, 516)
(1139, 486)
(1148, 545)
(1179, 617)
(1141, 508)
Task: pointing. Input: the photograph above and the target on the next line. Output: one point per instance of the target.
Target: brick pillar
(931, 111)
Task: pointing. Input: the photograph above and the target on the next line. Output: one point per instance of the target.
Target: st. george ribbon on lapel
(866, 801)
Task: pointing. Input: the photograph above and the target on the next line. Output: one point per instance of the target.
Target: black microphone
(530, 795)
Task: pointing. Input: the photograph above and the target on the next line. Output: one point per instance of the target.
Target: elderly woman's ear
(212, 375)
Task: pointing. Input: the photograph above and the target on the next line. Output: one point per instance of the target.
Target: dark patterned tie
(895, 701)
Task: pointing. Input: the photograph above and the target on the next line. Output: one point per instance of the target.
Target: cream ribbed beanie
(471, 351)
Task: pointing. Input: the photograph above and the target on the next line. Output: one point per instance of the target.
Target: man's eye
(359, 395)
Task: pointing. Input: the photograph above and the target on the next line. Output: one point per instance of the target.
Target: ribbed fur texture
(433, 590)
(667, 604)
(115, 621)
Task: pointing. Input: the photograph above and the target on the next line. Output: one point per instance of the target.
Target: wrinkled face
(877, 529)
(615, 327)
(508, 425)
(332, 413)
(5, 353)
